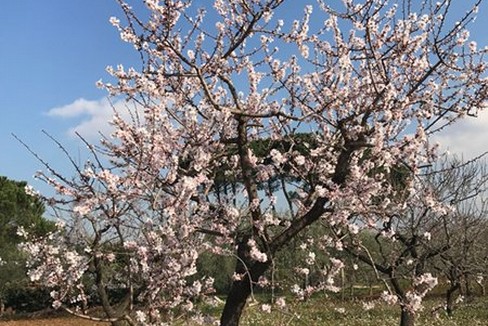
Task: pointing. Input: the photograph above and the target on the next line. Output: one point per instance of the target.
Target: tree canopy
(19, 210)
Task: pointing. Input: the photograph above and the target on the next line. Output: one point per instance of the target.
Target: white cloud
(93, 116)
(467, 137)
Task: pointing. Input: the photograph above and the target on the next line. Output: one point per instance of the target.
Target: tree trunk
(235, 303)
(462, 287)
(240, 290)
(450, 298)
(407, 318)
(469, 291)
(238, 294)
(482, 288)
(110, 311)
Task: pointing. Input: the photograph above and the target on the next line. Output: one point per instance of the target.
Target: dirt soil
(53, 322)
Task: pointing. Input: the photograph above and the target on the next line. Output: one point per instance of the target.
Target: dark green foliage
(300, 142)
(226, 180)
(221, 268)
(27, 299)
(17, 209)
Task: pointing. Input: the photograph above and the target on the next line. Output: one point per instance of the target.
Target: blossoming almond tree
(462, 230)
(368, 81)
(425, 238)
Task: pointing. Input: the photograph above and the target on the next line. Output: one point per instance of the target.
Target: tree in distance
(18, 209)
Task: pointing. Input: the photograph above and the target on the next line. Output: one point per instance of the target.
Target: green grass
(327, 312)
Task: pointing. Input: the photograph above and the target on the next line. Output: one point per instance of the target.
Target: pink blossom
(281, 303)
(300, 160)
(277, 157)
(266, 308)
(389, 298)
(255, 253)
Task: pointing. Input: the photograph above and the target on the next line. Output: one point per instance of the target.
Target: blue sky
(53, 52)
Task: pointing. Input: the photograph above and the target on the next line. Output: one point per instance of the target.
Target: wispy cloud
(467, 137)
(92, 116)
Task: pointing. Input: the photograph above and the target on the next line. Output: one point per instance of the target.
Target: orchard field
(320, 311)
(256, 148)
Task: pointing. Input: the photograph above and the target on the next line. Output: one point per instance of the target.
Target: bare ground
(53, 322)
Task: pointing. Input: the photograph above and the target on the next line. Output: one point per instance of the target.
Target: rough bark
(109, 310)
(450, 298)
(407, 318)
(241, 289)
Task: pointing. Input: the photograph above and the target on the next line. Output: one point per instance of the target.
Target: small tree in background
(369, 80)
(421, 240)
(463, 231)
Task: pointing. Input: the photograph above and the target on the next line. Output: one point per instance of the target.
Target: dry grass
(53, 322)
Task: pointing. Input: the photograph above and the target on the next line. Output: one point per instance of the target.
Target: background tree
(411, 241)
(463, 186)
(18, 209)
(370, 81)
